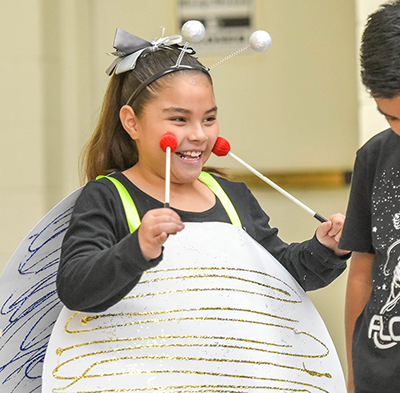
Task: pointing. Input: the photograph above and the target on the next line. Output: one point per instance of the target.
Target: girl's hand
(157, 225)
(328, 233)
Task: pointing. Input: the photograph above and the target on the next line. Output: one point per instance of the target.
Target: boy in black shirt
(372, 227)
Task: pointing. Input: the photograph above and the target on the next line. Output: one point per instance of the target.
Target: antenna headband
(129, 48)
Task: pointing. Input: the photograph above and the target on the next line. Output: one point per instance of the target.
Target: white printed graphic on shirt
(394, 296)
(381, 329)
(396, 221)
(384, 325)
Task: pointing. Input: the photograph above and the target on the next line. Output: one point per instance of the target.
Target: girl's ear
(129, 121)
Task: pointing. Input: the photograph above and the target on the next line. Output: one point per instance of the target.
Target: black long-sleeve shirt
(101, 261)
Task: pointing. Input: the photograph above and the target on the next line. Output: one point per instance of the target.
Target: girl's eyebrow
(215, 109)
(186, 111)
(174, 110)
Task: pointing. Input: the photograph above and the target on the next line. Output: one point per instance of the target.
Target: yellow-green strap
(132, 215)
(215, 187)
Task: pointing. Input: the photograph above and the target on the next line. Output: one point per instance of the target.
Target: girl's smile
(189, 155)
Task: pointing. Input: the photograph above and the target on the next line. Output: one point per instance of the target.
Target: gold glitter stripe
(139, 347)
(210, 290)
(181, 372)
(201, 389)
(59, 351)
(183, 358)
(176, 320)
(90, 318)
(192, 319)
(235, 269)
(200, 318)
(214, 276)
(188, 319)
(241, 270)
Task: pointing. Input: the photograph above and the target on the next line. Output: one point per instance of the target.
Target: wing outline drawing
(29, 305)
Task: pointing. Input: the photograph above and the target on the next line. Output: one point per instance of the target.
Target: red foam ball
(221, 147)
(169, 140)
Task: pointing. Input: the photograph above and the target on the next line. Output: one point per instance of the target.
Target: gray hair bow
(129, 48)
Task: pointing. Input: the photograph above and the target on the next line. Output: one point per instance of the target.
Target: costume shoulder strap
(132, 215)
(219, 192)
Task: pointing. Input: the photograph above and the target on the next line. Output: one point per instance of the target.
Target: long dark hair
(110, 147)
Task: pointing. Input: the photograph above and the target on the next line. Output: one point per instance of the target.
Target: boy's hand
(328, 233)
(157, 225)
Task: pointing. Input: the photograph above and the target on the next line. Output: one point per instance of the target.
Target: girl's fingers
(156, 226)
(329, 233)
(337, 221)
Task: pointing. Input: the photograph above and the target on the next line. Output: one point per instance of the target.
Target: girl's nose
(197, 133)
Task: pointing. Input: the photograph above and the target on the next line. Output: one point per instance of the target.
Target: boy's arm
(359, 288)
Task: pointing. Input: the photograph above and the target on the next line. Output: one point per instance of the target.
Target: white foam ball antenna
(260, 41)
(193, 31)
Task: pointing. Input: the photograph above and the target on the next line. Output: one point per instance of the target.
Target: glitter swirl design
(199, 322)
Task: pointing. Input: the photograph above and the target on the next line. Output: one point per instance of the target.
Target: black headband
(159, 74)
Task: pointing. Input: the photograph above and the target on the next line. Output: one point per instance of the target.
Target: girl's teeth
(190, 154)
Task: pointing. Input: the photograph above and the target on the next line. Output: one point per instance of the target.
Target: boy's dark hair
(380, 52)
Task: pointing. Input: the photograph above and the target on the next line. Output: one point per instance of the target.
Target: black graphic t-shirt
(373, 226)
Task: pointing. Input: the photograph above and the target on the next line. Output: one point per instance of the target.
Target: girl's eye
(211, 119)
(178, 119)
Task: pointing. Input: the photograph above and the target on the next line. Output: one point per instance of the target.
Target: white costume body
(218, 314)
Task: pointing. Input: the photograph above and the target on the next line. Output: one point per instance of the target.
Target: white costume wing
(218, 314)
(29, 305)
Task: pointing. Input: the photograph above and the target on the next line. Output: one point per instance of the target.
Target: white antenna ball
(260, 41)
(193, 31)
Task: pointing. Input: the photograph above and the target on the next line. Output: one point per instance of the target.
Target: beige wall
(291, 108)
(370, 121)
(22, 190)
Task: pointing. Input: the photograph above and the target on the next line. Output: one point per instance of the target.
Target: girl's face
(185, 106)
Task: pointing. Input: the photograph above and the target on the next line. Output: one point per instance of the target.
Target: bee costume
(223, 309)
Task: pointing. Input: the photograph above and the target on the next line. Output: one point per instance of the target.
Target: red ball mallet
(168, 143)
(223, 148)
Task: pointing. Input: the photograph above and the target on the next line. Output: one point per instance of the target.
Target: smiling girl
(102, 257)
